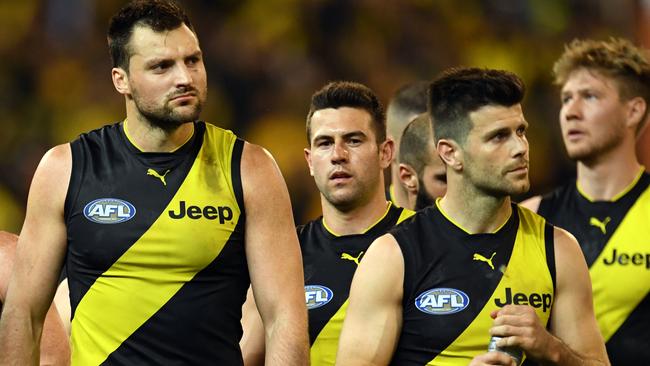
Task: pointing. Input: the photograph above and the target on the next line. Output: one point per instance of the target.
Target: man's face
(495, 152)
(166, 77)
(432, 181)
(592, 116)
(344, 158)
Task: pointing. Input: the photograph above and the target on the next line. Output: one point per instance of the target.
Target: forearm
(287, 341)
(19, 338)
(561, 354)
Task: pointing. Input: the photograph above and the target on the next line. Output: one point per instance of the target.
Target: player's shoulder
(55, 163)
(108, 130)
(257, 158)
(384, 249)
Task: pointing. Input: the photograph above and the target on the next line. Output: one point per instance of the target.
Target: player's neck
(357, 220)
(606, 177)
(472, 211)
(148, 138)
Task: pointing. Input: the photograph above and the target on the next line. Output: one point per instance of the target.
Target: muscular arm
(574, 338)
(573, 323)
(374, 317)
(39, 256)
(274, 260)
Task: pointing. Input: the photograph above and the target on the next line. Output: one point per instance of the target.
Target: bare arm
(532, 203)
(573, 323)
(252, 341)
(374, 317)
(39, 256)
(274, 259)
(574, 338)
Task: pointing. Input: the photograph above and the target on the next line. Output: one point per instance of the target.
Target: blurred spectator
(267, 56)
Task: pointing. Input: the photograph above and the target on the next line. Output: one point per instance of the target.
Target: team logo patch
(317, 296)
(442, 301)
(109, 211)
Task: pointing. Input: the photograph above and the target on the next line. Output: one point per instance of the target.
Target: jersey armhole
(235, 173)
(76, 176)
(406, 289)
(550, 251)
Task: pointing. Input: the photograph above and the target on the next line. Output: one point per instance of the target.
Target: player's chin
(187, 113)
(521, 188)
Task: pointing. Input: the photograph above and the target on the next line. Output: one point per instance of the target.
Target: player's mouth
(183, 97)
(575, 134)
(340, 177)
(519, 169)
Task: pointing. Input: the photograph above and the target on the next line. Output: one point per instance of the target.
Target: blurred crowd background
(266, 57)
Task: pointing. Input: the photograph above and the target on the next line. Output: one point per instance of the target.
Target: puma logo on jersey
(600, 224)
(155, 174)
(351, 258)
(478, 257)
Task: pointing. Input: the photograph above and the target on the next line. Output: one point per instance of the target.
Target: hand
(520, 327)
(493, 359)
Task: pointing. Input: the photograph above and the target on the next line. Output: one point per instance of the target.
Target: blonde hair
(617, 59)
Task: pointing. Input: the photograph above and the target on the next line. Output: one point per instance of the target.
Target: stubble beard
(165, 117)
(347, 198)
(588, 154)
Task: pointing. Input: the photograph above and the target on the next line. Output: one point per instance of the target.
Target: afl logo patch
(442, 301)
(317, 296)
(109, 211)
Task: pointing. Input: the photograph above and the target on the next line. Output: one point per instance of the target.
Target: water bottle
(515, 352)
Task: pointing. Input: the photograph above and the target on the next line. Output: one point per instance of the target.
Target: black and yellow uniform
(615, 239)
(453, 280)
(156, 262)
(330, 262)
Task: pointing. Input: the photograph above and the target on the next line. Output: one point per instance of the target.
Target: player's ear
(635, 112)
(386, 152)
(308, 158)
(121, 80)
(408, 178)
(450, 153)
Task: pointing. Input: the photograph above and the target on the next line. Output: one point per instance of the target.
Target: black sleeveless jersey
(330, 262)
(615, 239)
(156, 263)
(453, 280)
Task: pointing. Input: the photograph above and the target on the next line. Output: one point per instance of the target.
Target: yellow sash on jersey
(323, 351)
(168, 255)
(618, 288)
(527, 272)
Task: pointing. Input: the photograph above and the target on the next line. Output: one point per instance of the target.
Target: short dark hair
(338, 94)
(158, 15)
(459, 91)
(617, 58)
(409, 100)
(415, 142)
